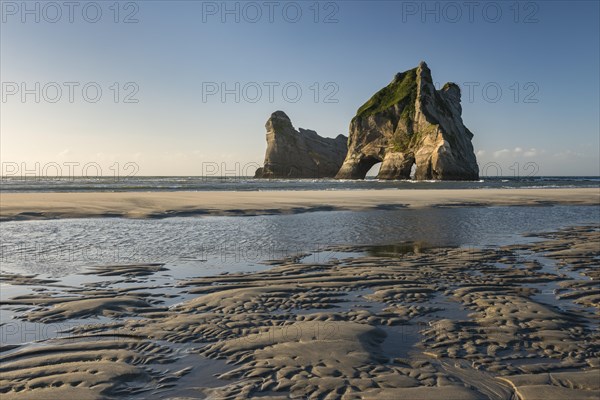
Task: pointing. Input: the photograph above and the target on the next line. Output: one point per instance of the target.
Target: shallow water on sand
(196, 246)
(207, 246)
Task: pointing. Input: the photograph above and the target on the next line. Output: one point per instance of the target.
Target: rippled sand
(377, 323)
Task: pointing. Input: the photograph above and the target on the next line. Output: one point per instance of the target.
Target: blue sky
(542, 56)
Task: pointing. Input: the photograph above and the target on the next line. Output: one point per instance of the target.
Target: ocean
(200, 183)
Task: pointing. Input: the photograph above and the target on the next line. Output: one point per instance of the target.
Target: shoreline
(52, 205)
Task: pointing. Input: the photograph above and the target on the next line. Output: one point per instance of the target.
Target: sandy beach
(386, 323)
(23, 206)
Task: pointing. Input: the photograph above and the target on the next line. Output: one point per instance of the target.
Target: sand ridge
(31, 206)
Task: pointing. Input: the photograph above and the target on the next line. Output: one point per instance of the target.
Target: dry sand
(22, 206)
(445, 323)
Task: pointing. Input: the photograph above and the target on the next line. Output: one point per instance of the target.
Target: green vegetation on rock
(403, 88)
(447, 85)
(405, 142)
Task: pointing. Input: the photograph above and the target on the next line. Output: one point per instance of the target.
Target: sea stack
(408, 123)
(299, 153)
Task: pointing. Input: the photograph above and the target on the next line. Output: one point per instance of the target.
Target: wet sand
(374, 323)
(24, 206)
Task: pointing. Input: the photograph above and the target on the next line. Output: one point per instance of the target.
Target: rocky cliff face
(299, 153)
(409, 123)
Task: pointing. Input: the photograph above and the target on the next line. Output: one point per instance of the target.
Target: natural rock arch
(365, 165)
(410, 122)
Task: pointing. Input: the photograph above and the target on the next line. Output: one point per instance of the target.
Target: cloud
(532, 152)
(518, 152)
(480, 153)
(501, 153)
(64, 153)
